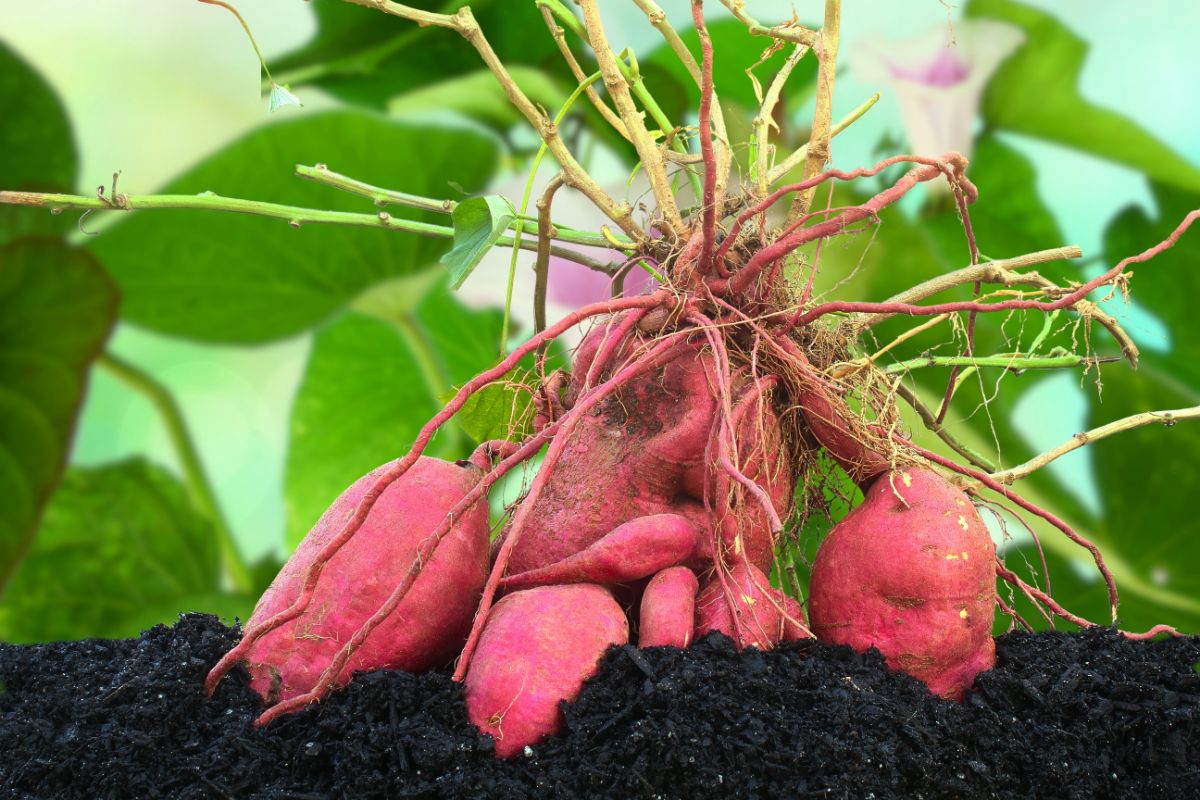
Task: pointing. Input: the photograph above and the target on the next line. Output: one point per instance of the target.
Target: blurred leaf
(38, 150)
(1036, 92)
(1149, 520)
(364, 57)
(478, 223)
(56, 309)
(118, 542)
(371, 384)
(477, 95)
(224, 277)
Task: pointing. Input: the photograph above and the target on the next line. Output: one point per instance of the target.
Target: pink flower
(937, 81)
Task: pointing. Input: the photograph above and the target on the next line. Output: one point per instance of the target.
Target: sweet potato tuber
(668, 609)
(537, 649)
(911, 572)
(424, 631)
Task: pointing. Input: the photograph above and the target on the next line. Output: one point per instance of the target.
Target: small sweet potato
(537, 648)
(753, 602)
(911, 572)
(668, 609)
(429, 625)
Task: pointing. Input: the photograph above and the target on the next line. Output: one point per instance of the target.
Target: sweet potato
(429, 625)
(668, 609)
(750, 614)
(537, 648)
(911, 572)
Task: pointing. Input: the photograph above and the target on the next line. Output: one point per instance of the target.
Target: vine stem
(647, 150)
(320, 173)
(1015, 361)
(1165, 418)
(295, 216)
(787, 32)
(822, 130)
(199, 487)
(463, 23)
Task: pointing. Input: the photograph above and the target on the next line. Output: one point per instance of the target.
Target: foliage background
(303, 358)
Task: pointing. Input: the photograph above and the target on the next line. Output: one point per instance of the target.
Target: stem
(542, 266)
(246, 27)
(553, 8)
(658, 18)
(198, 485)
(320, 173)
(463, 22)
(294, 215)
(520, 222)
(792, 161)
(708, 205)
(822, 131)
(762, 123)
(618, 90)
(1015, 362)
(1165, 418)
(787, 32)
(927, 417)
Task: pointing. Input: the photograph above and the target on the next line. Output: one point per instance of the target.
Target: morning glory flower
(938, 79)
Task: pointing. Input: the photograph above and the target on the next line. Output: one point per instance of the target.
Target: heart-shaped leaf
(37, 151)
(56, 309)
(478, 223)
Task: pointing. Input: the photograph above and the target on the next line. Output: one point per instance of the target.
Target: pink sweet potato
(911, 572)
(752, 601)
(537, 648)
(633, 550)
(668, 609)
(428, 626)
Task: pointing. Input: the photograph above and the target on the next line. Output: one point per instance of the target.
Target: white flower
(938, 81)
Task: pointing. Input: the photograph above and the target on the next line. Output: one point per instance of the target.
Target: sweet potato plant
(689, 467)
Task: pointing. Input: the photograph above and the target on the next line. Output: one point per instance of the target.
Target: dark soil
(1063, 715)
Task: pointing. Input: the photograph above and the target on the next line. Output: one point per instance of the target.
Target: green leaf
(224, 277)
(38, 150)
(56, 309)
(498, 411)
(120, 549)
(1036, 92)
(370, 385)
(478, 223)
(477, 95)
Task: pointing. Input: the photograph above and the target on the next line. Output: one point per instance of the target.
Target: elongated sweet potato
(911, 572)
(667, 617)
(537, 649)
(428, 626)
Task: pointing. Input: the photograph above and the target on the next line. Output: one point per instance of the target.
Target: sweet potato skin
(667, 613)
(537, 649)
(755, 604)
(911, 571)
(428, 626)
